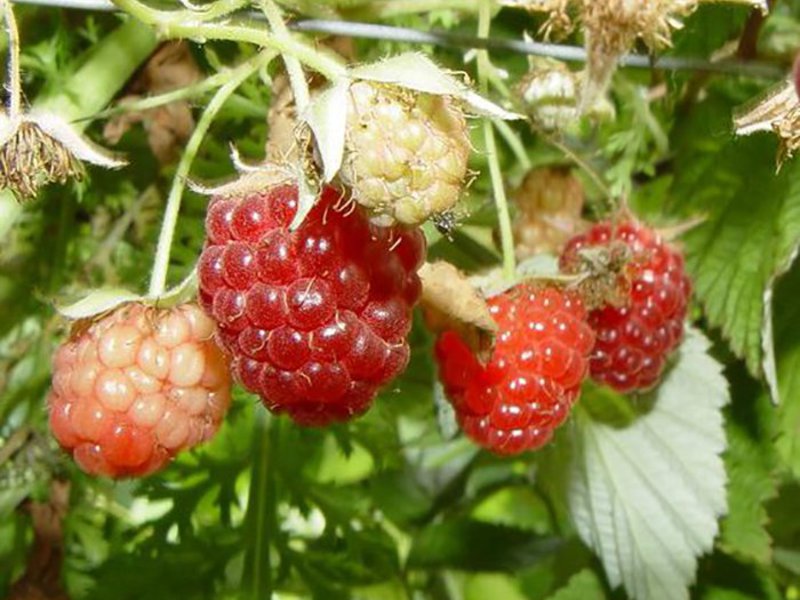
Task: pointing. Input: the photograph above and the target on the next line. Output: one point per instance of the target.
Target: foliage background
(394, 505)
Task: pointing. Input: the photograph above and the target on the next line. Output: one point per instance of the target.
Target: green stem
(297, 78)
(384, 9)
(172, 26)
(261, 506)
(498, 189)
(216, 9)
(236, 76)
(13, 82)
(190, 91)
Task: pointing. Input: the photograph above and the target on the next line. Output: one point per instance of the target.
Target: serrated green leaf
(750, 462)
(749, 238)
(517, 506)
(646, 497)
(582, 586)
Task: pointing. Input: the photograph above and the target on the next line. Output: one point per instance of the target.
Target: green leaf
(463, 544)
(787, 350)
(750, 462)
(492, 585)
(518, 507)
(583, 586)
(646, 497)
(750, 235)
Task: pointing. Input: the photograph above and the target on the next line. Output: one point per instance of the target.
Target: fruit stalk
(158, 278)
(503, 215)
(297, 78)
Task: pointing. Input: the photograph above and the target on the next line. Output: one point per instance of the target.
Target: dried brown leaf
(168, 127)
(42, 577)
(451, 302)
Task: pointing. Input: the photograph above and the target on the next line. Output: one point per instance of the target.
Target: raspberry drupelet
(525, 391)
(635, 339)
(136, 387)
(316, 319)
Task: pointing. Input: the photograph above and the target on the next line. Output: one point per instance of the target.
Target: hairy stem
(13, 85)
(171, 26)
(297, 78)
(498, 189)
(237, 76)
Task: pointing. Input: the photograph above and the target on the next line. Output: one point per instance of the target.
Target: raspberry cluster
(634, 340)
(136, 387)
(515, 401)
(316, 319)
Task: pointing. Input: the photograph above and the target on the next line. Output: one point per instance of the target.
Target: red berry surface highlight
(316, 319)
(634, 340)
(534, 375)
(136, 387)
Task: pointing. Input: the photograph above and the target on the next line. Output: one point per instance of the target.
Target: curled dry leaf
(450, 302)
(778, 110)
(169, 126)
(549, 204)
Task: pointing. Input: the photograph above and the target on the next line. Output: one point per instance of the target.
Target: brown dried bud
(31, 159)
(36, 150)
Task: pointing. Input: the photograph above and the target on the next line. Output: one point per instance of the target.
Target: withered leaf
(168, 127)
(450, 302)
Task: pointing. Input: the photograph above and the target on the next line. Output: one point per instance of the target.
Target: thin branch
(238, 75)
(457, 40)
(495, 173)
(297, 78)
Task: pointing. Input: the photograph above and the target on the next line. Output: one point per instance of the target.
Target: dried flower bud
(558, 22)
(611, 27)
(38, 149)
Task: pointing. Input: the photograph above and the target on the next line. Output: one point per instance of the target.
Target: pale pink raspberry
(136, 387)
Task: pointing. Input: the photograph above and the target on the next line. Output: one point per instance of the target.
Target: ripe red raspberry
(634, 340)
(526, 390)
(136, 387)
(316, 319)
